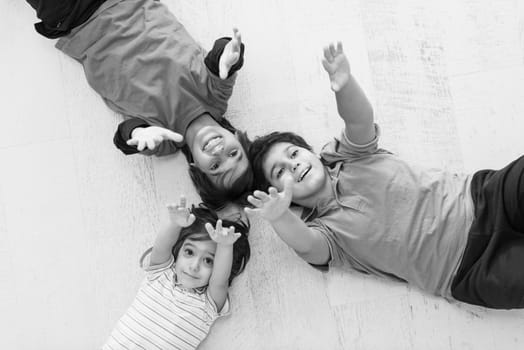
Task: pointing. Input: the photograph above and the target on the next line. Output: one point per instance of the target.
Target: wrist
(225, 245)
(282, 218)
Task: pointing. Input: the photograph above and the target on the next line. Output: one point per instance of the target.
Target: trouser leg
(503, 285)
(513, 195)
(51, 12)
(492, 269)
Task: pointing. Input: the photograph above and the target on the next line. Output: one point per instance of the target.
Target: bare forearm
(356, 111)
(218, 282)
(164, 243)
(306, 242)
(222, 265)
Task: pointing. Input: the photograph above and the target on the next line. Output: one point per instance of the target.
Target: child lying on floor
(192, 263)
(457, 236)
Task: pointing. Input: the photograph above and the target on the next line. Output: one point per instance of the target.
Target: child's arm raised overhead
(179, 217)
(352, 103)
(219, 280)
(232, 56)
(274, 207)
(223, 61)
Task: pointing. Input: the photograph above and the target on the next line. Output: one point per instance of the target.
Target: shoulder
(342, 148)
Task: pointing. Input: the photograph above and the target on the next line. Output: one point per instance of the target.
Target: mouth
(213, 145)
(190, 276)
(304, 173)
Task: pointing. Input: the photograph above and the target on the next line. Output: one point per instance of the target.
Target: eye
(233, 153)
(188, 252)
(279, 173)
(214, 166)
(294, 153)
(208, 261)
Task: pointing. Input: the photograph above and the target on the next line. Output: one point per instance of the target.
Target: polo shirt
(391, 218)
(145, 65)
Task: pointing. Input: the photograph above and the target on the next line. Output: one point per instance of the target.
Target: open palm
(230, 55)
(271, 205)
(336, 65)
(179, 214)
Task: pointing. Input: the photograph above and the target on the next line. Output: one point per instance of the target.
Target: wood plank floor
(447, 83)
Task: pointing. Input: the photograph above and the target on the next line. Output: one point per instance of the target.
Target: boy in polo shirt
(453, 235)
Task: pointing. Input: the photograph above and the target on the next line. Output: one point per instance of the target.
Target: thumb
(223, 70)
(132, 142)
(173, 136)
(210, 229)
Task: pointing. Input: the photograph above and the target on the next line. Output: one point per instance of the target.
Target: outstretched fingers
(173, 136)
(340, 49)
(328, 56)
(237, 37)
(141, 145)
(210, 230)
(332, 50)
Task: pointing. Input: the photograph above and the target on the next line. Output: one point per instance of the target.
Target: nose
(295, 166)
(217, 150)
(194, 265)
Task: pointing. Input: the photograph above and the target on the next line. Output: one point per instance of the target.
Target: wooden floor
(447, 82)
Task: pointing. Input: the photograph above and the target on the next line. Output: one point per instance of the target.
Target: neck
(196, 125)
(324, 192)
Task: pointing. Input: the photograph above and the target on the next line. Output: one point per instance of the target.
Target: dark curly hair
(261, 146)
(198, 232)
(213, 196)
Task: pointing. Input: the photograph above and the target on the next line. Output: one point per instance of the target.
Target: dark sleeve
(123, 133)
(213, 57)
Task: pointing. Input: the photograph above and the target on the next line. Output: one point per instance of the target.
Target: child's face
(286, 160)
(219, 154)
(194, 263)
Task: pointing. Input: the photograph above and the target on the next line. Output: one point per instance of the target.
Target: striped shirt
(164, 315)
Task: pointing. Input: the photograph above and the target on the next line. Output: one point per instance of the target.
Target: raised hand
(230, 55)
(222, 235)
(151, 137)
(336, 65)
(271, 205)
(179, 214)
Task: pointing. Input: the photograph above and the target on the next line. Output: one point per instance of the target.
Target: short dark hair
(198, 232)
(258, 151)
(214, 197)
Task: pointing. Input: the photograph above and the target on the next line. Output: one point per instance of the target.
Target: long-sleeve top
(146, 66)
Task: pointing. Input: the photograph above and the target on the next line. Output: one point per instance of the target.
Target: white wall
(447, 83)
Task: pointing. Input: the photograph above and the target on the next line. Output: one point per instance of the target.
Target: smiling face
(286, 160)
(194, 263)
(219, 154)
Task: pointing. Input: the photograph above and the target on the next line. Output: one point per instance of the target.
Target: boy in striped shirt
(192, 263)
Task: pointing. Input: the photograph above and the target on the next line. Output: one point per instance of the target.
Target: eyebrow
(274, 165)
